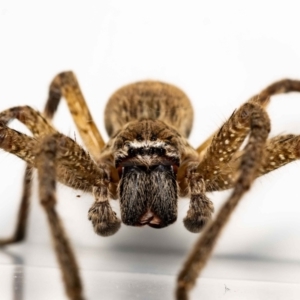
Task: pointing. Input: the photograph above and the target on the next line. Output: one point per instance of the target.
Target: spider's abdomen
(149, 100)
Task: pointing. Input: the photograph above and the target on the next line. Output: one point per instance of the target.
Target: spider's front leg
(259, 127)
(212, 171)
(46, 160)
(64, 85)
(39, 126)
(58, 157)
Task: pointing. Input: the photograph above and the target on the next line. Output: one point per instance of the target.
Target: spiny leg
(46, 165)
(75, 168)
(219, 163)
(65, 84)
(25, 147)
(250, 162)
(38, 126)
(20, 229)
(263, 99)
(31, 118)
(278, 152)
(278, 87)
(214, 171)
(73, 165)
(225, 144)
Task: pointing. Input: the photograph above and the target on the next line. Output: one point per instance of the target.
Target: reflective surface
(30, 272)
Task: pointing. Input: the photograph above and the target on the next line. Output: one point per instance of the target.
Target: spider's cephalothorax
(147, 163)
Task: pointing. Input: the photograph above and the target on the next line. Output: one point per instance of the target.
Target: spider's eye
(131, 152)
(160, 151)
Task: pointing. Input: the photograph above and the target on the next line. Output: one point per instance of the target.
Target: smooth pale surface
(28, 272)
(220, 53)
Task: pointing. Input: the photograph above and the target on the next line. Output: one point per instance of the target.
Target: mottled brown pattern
(46, 159)
(147, 164)
(152, 100)
(65, 84)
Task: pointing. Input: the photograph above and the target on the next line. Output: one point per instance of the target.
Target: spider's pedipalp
(103, 218)
(201, 208)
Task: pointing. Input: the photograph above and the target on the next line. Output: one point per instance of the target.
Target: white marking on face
(146, 144)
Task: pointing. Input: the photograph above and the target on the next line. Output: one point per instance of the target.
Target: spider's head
(147, 157)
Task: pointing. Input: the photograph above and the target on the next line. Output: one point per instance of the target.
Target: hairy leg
(250, 162)
(214, 171)
(75, 166)
(66, 85)
(39, 126)
(46, 166)
(72, 166)
(20, 229)
(278, 152)
(263, 99)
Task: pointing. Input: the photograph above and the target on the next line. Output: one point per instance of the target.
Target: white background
(219, 52)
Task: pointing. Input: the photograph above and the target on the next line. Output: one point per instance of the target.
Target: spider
(146, 164)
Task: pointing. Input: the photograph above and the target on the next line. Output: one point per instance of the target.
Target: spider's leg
(279, 87)
(263, 99)
(66, 85)
(221, 154)
(38, 126)
(259, 126)
(46, 165)
(215, 169)
(20, 229)
(223, 148)
(30, 117)
(200, 149)
(280, 151)
(22, 146)
(76, 169)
